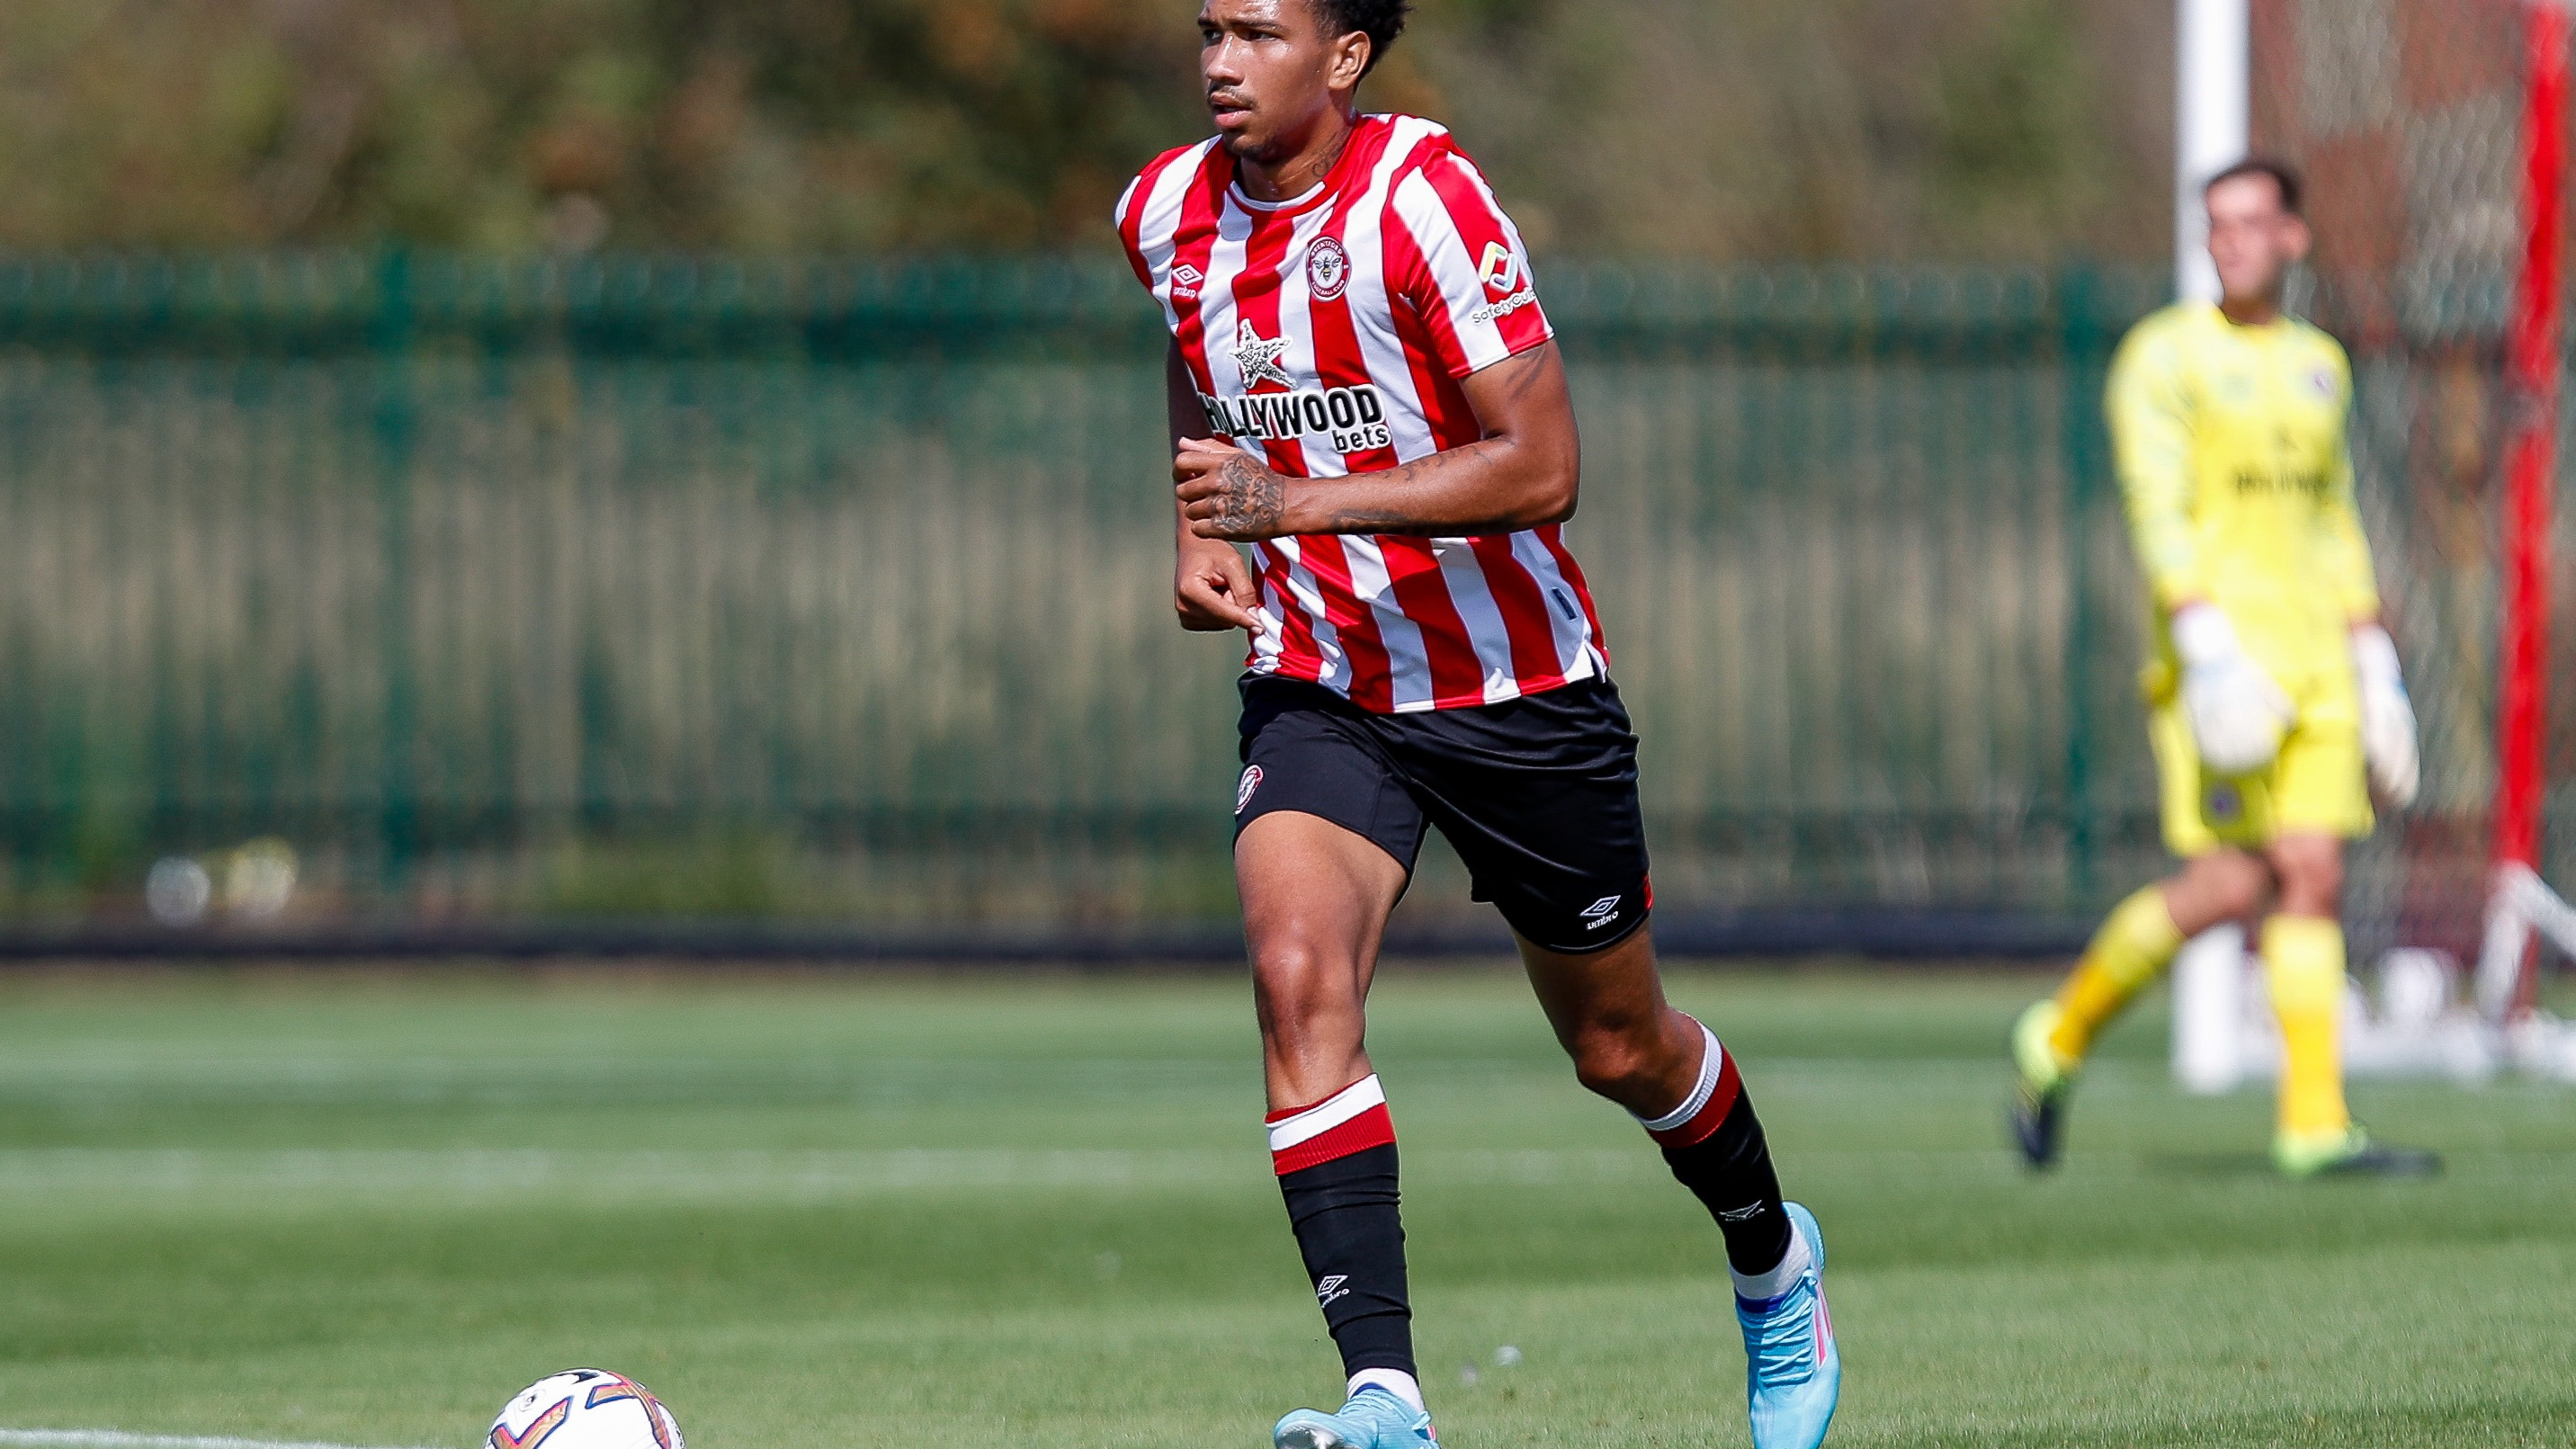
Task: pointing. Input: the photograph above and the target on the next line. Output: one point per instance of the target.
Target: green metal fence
(840, 592)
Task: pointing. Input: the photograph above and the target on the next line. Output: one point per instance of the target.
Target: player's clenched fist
(2238, 714)
(1225, 492)
(1212, 588)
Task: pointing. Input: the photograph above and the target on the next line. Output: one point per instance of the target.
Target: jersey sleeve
(1128, 219)
(2346, 548)
(1459, 263)
(2150, 412)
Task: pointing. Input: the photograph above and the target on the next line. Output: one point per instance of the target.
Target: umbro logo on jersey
(1185, 282)
(1329, 1287)
(1601, 912)
(1243, 789)
(1257, 357)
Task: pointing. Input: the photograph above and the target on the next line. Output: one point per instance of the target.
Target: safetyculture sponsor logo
(1353, 418)
(1601, 912)
(1505, 278)
(1328, 269)
(1243, 788)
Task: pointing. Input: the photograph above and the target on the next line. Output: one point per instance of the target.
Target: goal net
(2431, 135)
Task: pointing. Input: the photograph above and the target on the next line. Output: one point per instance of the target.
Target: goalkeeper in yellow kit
(2277, 709)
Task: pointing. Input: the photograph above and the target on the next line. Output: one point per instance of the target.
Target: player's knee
(2242, 890)
(2311, 877)
(1299, 988)
(2230, 886)
(1619, 1060)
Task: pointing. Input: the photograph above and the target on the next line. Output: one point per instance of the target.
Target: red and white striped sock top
(1330, 334)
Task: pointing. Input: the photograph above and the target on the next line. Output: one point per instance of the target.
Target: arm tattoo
(1250, 501)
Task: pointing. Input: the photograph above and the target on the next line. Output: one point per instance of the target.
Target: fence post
(396, 422)
(2079, 348)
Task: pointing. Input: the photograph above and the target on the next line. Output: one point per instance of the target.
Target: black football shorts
(1538, 795)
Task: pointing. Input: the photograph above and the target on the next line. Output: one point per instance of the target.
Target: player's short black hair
(1381, 20)
(2283, 175)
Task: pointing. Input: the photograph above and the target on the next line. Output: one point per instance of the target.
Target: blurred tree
(1884, 128)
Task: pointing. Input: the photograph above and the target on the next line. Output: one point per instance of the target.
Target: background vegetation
(1886, 129)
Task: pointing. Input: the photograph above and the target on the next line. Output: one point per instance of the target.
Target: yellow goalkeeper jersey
(2237, 475)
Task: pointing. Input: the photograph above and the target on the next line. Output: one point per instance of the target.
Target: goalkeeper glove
(2237, 713)
(2387, 719)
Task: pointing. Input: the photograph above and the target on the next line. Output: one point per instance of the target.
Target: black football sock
(1337, 1174)
(1715, 1147)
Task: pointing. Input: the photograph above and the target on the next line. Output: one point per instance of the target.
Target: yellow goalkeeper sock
(2303, 958)
(2135, 942)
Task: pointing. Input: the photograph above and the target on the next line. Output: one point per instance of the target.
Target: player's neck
(2259, 311)
(1306, 164)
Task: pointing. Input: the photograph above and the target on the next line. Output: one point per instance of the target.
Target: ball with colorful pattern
(585, 1409)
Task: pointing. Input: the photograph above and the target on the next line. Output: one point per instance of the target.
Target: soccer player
(2276, 706)
(1365, 389)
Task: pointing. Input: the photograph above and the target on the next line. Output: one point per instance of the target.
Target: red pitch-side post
(2533, 363)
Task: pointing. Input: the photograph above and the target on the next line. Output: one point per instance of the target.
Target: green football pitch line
(815, 1212)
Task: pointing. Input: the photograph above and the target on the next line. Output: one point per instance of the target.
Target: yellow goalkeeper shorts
(2315, 786)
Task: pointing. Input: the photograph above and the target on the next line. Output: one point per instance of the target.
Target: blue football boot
(1793, 1372)
(1373, 1419)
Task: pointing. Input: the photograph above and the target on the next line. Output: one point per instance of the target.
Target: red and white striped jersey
(1330, 334)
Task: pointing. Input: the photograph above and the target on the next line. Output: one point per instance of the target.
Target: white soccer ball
(585, 1409)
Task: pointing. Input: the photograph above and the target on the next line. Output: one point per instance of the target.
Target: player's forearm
(1493, 486)
(1496, 485)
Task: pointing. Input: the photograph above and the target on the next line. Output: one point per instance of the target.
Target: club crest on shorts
(2226, 802)
(1328, 269)
(1244, 787)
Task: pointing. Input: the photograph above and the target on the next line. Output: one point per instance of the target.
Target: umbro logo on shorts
(1330, 1287)
(1243, 788)
(1601, 912)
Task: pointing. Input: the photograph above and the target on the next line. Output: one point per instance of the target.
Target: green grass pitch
(819, 1212)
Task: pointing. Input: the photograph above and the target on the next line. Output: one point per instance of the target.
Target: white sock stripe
(1395, 1381)
(1327, 1114)
(1711, 1062)
(1760, 1287)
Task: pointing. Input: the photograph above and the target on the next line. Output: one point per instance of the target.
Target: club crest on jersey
(1243, 789)
(1257, 357)
(1328, 269)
